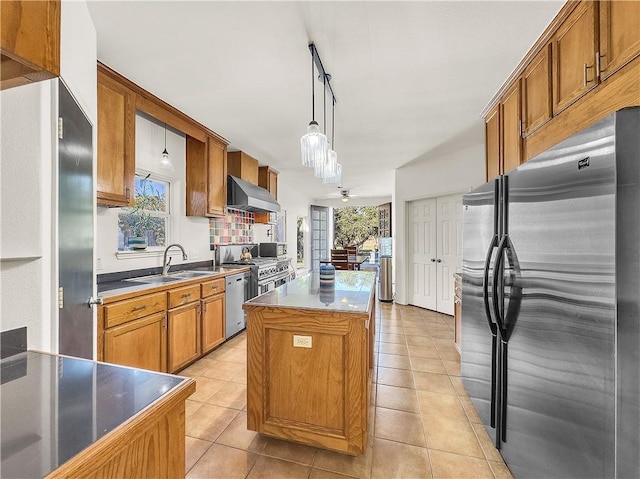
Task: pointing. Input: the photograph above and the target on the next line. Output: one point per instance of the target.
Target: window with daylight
(147, 223)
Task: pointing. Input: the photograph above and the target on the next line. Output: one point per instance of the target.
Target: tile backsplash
(235, 228)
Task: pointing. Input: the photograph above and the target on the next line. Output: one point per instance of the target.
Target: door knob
(433, 260)
(95, 301)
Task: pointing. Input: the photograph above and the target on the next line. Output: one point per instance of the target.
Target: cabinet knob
(433, 260)
(438, 261)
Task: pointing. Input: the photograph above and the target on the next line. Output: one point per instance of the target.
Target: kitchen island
(73, 418)
(309, 361)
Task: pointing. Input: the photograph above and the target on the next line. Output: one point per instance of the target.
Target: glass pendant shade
(328, 168)
(313, 146)
(334, 180)
(165, 161)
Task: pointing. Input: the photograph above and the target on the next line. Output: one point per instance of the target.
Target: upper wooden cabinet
(536, 92)
(511, 128)
(584, 66)
(619, 35)
(116, 147)
(29, 41)
(242, 166)
(268, 179)
(574, 56)
(492, 144)
(206, 177)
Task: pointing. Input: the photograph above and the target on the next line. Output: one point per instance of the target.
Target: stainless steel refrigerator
(551, 306)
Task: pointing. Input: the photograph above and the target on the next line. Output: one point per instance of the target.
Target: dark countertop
(350, 293)
(118, 288)
(53, 407)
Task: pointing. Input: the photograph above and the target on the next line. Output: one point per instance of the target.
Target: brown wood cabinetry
(140, 344)
(536, 92)
(574, 56)
(562, 79)
(457, 311)
(213, 314)
(511, 128)
(619, 35)
(492, 145)
(183, 324)
(242, 166)
(29, 41)
(267, 179)
(135, 332)
(206, 177)
(116, 137)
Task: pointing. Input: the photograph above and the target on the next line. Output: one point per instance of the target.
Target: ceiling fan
(344, 195)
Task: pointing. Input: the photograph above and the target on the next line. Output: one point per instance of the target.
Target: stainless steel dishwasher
(235, 295)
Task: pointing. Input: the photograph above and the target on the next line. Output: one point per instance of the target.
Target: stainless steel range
(266, 273)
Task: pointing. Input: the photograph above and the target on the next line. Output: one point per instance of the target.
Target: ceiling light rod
(321, 72)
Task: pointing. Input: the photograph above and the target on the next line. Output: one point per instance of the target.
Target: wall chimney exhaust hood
(246, 196)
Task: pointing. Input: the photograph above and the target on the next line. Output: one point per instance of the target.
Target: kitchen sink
(191, 274)
(170, 278)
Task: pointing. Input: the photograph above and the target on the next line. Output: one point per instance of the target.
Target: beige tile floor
(423, 424)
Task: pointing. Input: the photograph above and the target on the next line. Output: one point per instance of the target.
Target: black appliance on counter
(550, 306)
(274, 250)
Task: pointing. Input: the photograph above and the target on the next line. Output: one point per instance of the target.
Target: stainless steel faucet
(165, 263)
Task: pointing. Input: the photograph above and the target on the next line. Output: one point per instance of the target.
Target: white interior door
(422, 245)
(449, 248)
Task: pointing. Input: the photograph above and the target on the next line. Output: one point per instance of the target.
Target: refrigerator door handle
(497, 268)
(485, 284)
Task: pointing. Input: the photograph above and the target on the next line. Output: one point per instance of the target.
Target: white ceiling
(411, 78)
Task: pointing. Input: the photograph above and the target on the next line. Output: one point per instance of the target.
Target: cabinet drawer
(125, 311)
(180, 296)
(212, 287)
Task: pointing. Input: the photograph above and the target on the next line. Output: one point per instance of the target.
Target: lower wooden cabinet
(141, 343)
(213, 322)
(183, 335)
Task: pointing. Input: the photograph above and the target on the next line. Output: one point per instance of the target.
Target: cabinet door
(574, 49)
(140, 344)
(536, 92)
(511, 128)
(30, 41)
(217, 178)
(213, 330)
(184, 335)
(619, 35)
(116, 133)
(492, 145)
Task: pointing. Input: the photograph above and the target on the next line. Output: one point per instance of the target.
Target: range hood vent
(245, 196)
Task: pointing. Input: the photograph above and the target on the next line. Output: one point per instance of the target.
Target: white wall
(428, 177)
(28, 172)
(191, 232)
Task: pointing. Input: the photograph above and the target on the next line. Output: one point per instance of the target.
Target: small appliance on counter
(272, 250)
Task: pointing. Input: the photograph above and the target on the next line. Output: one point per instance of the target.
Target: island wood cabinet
(206, 184)
(585, 66)
(135, 332)
(116, 137)
(183, 325)
(268, 179)
(213, 314)
(309, 364)
(29, 41)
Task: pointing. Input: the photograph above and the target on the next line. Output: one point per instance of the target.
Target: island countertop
(56, 408)
(351, 292)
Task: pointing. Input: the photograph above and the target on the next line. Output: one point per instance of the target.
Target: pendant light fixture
(165, 161)
(313, 145)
